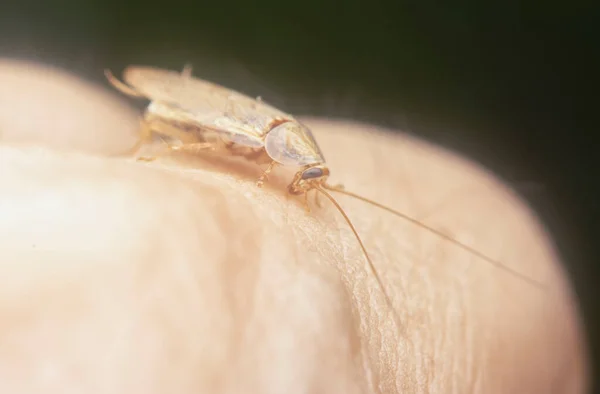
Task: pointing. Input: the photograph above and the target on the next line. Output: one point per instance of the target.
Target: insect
(202, 115)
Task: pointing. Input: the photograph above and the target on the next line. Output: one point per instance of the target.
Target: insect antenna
(440, 234)
(388, 300)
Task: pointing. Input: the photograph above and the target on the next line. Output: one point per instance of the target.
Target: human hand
(180, 276)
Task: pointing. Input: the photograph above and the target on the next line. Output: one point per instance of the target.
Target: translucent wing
(243, 118)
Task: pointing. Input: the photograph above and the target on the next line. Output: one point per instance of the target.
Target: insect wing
(241, 118)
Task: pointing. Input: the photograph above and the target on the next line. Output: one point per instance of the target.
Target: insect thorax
(292, 144)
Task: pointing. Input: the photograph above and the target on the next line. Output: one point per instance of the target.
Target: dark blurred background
(509, 84)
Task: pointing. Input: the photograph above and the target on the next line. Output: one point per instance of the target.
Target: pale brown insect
(203, 115)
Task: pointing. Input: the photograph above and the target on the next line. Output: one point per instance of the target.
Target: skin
(181, 276)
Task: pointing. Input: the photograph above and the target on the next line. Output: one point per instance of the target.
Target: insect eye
(312, 173)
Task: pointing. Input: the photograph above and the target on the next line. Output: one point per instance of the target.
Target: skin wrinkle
(246, 286)
(359, 265)
(522, 342)
(450, 246)
(222, 220)
(286, 227)
(176, 259)
(348, 242)
(333, 238)
(216, 218)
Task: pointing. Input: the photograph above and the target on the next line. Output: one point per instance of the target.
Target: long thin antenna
(388, 300)
(469, 249)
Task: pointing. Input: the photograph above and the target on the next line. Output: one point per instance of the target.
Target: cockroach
(201, 115)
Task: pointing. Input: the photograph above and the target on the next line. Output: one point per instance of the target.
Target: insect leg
(145, 135)
(259, 156)
(306, 204)
(147, 127)
(152, 125)
(191, 147)
(265, 174)
(318, 200)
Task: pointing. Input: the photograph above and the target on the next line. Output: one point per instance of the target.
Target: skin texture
(181, 276)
